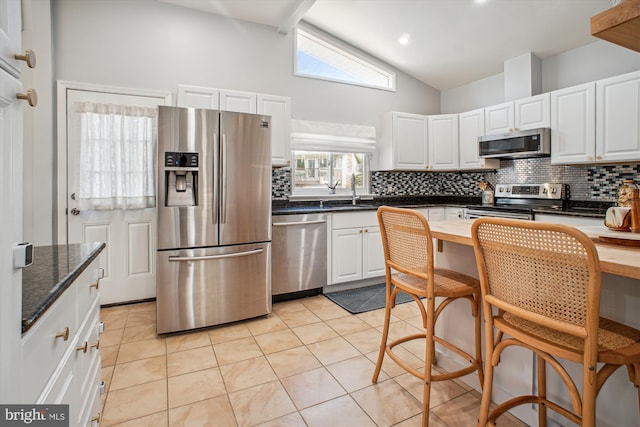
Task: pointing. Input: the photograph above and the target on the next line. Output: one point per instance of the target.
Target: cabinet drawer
(88, 361)
(354, 219)
(42, 351)
(87, 288)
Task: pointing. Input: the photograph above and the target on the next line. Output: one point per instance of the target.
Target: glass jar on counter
(625, 191)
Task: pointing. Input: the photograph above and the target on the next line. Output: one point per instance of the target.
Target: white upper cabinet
(442, 142)
(240, 102)
(618, 118)
(198, 97)
(532, 112)
(10, 35)
(279, 108)
(471, 126)
(573, 124)
(526, 113)
(499, 118)
(402, 142)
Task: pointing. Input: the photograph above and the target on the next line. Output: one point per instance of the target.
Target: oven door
(477, 213)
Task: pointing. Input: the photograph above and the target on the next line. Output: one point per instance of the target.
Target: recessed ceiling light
(481, 1)
(404, 39)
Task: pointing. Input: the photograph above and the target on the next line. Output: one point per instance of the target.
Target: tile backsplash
(586, 182)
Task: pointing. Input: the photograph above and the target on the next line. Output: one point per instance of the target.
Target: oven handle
(210, 257)
(476, 215)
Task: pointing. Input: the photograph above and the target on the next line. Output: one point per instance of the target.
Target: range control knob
(545, 190)
(554, 190)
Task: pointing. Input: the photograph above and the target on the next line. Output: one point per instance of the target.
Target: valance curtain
(332, 137)
(117, 156)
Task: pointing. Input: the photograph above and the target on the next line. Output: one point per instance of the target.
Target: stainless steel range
(520, 200)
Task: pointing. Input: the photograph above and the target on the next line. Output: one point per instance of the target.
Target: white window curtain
(333, 137)
(117, 156)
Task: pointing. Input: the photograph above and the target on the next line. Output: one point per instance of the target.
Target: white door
(130, 234)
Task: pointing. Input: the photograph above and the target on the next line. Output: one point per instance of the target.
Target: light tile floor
(308, 363)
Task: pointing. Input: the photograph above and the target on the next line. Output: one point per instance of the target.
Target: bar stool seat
(408, 251)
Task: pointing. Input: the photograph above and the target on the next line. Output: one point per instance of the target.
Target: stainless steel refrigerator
(214, 218)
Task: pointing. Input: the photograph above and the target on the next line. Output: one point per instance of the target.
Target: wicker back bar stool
(408, 252)
(545, 279)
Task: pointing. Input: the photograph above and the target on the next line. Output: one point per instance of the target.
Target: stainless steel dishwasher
(299, 253)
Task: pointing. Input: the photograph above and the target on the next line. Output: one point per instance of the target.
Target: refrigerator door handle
(223, 178)
(211, 257)
(286, 224)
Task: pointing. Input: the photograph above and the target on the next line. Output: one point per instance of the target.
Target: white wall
(147, 44)
(592, 62)
(154, 45)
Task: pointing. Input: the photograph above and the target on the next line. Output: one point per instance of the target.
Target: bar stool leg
(385, 332)
(542, 391)
(429, 359)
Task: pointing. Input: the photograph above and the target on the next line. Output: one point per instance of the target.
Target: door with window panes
(111, 186)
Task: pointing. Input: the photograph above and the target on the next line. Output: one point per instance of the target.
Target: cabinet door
(346, 255)
(470, 127)
(11, 155)
(409, 141)
(373, 253)
(499, 118)
(443, 142)
(10, 35)
(240, 102)
(618, 118)
(198, 97)
(279, 108)
(533, 112)
(573, 124)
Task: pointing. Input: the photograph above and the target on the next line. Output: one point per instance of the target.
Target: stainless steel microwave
(516, 145)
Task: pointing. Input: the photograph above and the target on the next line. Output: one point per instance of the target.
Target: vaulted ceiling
(451, 42)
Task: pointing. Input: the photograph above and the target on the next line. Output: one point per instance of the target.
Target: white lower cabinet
(356, 247)
(62, 352)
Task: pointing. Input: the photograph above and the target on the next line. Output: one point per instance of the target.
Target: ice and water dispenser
(181, 179)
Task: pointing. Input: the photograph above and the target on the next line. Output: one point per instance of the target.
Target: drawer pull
(83, 347)
(96, 345)
(96, 418)
(64, 334)
(95, 284)
(29, 57)
(31, 97)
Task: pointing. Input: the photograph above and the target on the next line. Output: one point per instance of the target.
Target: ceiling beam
(301, 9)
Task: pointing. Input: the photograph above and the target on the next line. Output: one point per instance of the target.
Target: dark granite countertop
(284, 207)
(587, 209)
(53, 270)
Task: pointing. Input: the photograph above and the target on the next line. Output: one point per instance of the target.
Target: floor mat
(364, 299)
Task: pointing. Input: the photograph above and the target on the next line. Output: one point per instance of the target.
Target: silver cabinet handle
(212, 257)
(75, 211)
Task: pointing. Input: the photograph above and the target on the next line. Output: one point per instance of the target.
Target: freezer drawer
(299, 252)
(211, 286)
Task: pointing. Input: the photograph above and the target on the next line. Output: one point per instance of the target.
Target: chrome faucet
(353, 189)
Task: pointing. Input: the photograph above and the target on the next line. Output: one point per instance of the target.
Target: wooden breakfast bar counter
(617, 403)
(614, 259)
